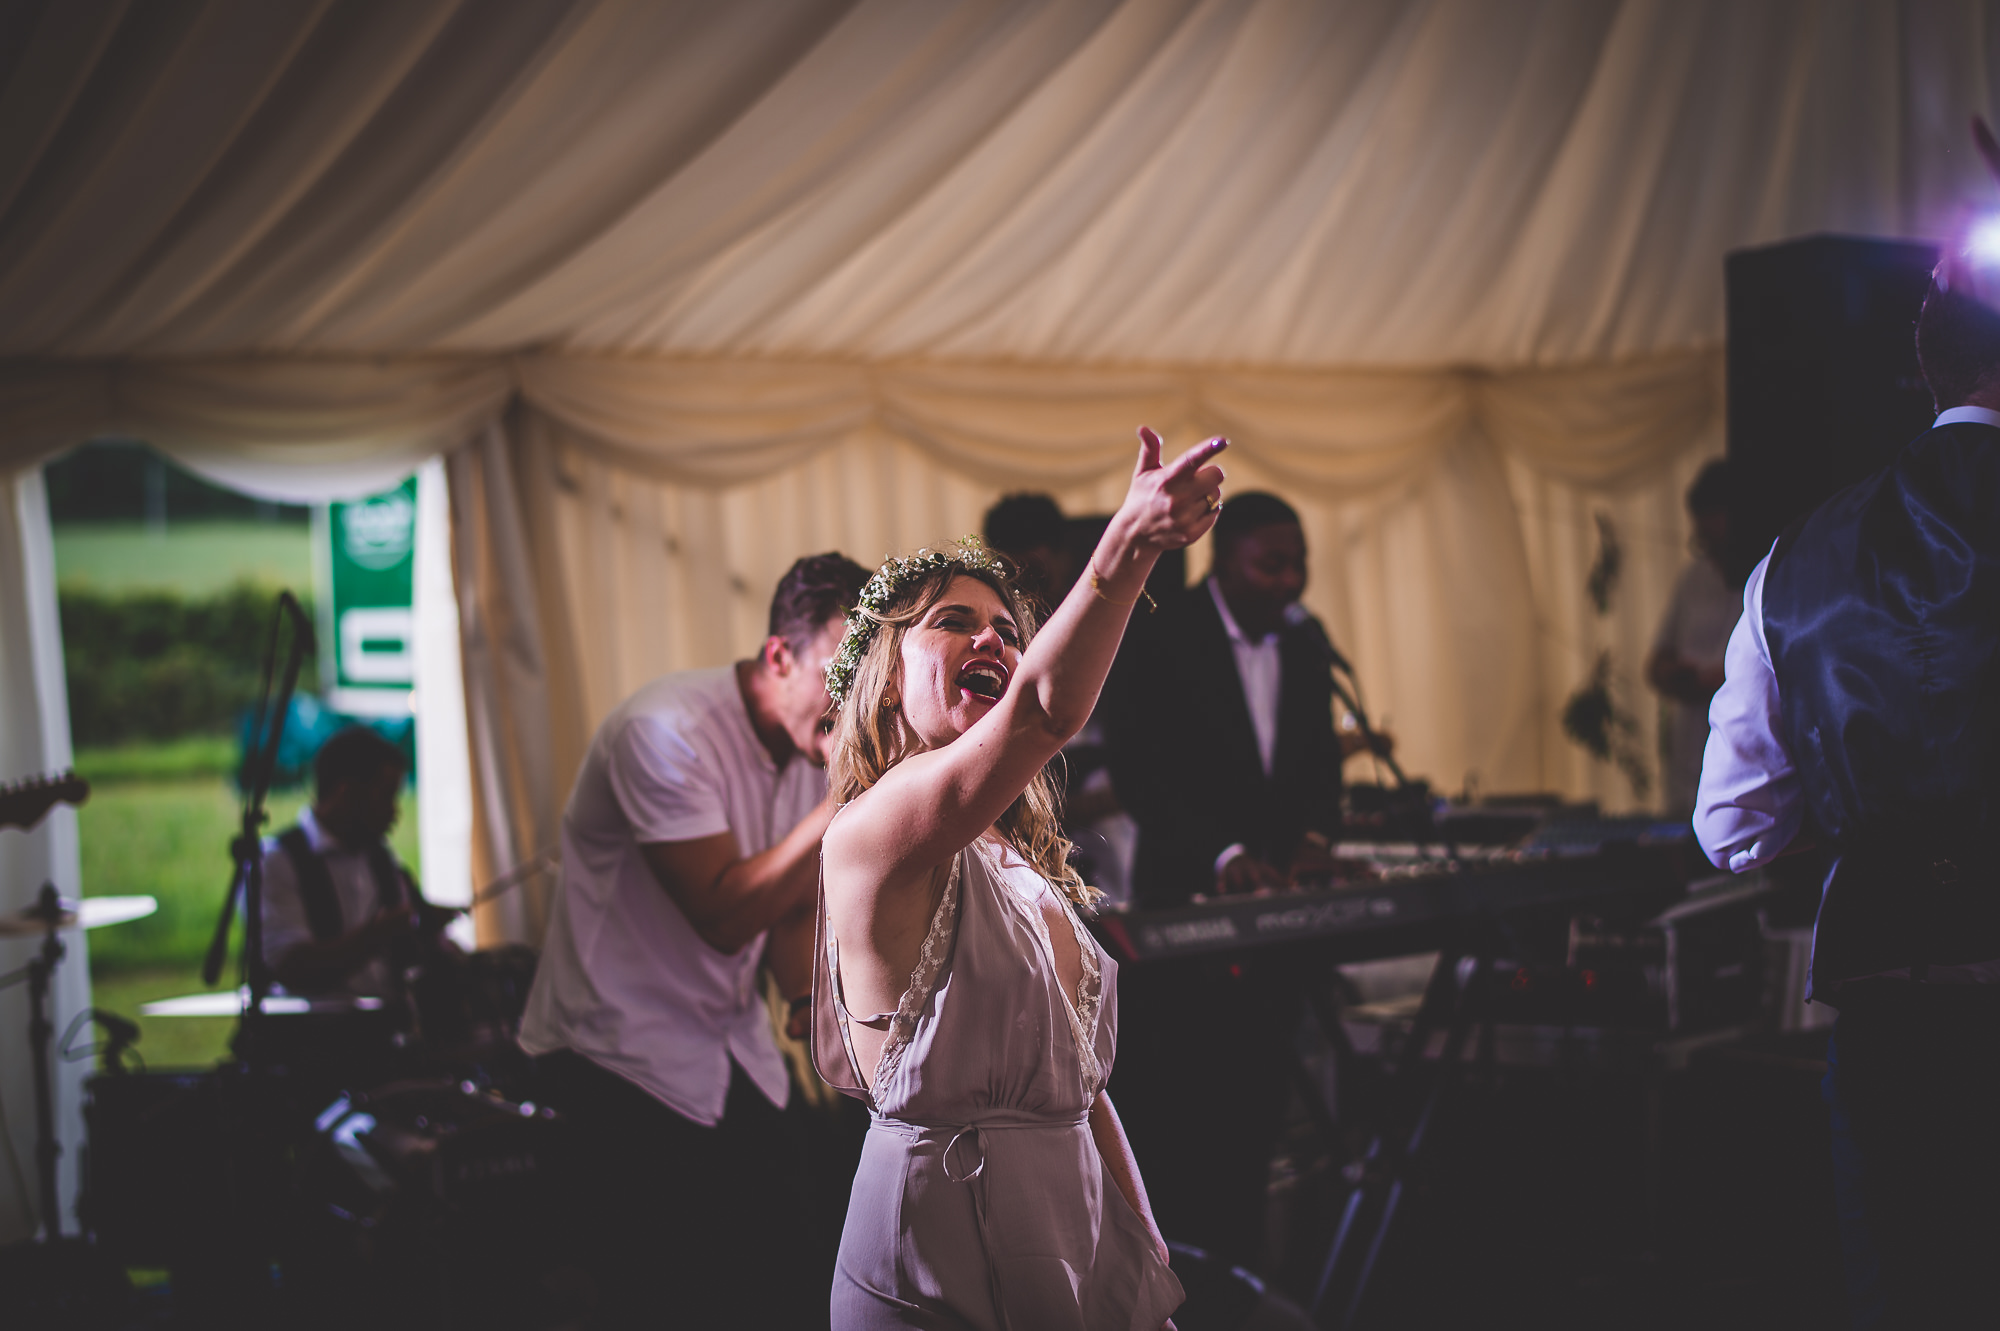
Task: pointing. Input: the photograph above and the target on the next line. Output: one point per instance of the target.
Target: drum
(446, 1202)
(186, 1166)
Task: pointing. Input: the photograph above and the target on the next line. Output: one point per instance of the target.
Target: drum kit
(23, 804)
(347, 1118)
(383, 1151)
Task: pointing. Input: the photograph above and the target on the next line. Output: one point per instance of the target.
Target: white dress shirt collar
(1968, 416)
(1229, 624)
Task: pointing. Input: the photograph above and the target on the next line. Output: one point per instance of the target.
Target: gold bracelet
(1097, 588)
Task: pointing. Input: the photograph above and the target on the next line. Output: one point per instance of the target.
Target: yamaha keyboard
(1417, 895)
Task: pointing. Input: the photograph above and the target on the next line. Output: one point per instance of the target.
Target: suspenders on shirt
(315, 881)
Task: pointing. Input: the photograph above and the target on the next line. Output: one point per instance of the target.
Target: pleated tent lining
(1200, 182)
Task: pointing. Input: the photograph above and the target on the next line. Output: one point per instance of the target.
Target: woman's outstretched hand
(1174, 505)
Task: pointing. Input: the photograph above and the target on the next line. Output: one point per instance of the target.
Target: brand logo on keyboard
(1189, 933)
(1323, 915)
(1220, 930)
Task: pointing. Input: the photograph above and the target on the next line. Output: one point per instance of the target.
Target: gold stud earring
(888, 703)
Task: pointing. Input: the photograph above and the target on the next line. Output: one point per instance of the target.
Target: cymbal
(231, 1002)
(90, 913)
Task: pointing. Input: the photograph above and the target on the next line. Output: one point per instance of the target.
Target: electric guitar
(24, 803)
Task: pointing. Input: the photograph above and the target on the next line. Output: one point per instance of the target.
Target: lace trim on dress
(1089, 1002)
(1089, 997)
(937, 943)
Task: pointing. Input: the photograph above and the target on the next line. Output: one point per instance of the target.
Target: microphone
(1298, 617)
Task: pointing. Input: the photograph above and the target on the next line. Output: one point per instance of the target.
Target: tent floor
(1533, 1209)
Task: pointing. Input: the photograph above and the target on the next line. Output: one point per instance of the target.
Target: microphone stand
(1360, 714)
(248, 846)
(1427, 822)
(38, 973)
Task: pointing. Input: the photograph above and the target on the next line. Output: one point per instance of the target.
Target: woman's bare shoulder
(867, 850)
(879, 818)
(847, 833)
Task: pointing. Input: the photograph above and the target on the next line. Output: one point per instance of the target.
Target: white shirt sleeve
(1749, 807)
(664, 787)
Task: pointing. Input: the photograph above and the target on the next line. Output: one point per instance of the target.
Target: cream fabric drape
(301, 431)
(1451, 515)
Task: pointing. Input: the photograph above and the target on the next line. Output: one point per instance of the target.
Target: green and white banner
(365, 566)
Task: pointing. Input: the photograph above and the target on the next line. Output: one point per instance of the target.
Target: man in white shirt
(336, 905)
(1860, 703)
(690, 855)
(1686, 665)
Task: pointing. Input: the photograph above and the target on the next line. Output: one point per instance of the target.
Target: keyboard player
(1221, 743)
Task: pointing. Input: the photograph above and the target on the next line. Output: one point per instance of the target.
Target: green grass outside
(165, 1042)
(194, 558)
(168, 760)
(161, 815)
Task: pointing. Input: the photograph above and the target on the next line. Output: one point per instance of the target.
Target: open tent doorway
(165, 587)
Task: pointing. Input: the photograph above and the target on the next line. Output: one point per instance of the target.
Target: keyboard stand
(1452, 1002)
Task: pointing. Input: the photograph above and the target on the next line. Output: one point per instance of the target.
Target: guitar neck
(25, 803)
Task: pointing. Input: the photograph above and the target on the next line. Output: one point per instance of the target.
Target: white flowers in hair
(970, 554)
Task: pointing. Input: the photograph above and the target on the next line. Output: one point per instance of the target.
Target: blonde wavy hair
(870, 739)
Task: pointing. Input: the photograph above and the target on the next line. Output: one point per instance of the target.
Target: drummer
(337, 905)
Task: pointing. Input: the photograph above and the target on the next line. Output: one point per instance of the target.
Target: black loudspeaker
(1823, 378)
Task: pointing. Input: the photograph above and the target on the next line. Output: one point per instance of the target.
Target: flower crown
(896, 573)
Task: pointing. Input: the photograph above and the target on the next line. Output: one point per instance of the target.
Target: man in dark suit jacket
(1220, 720)
(1219, 725)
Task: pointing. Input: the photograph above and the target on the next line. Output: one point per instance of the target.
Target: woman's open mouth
(983, 679)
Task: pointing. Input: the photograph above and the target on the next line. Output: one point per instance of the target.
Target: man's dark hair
(1023, 522)
(1245, 513)
(1958, 346)
(814, 590)
(1710, 491)
(351, 755)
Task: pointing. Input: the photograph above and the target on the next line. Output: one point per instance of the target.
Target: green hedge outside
(157, 665)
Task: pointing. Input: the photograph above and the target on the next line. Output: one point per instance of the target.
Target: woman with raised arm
(955, 989)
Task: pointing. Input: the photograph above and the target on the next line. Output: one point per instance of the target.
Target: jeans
(687, 1225)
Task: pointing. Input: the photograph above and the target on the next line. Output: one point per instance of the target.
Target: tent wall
(1460, 594)
(34, 738)
(616, 517)
(1453, 518)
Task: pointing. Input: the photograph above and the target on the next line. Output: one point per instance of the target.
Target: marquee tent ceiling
(1242, 182)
